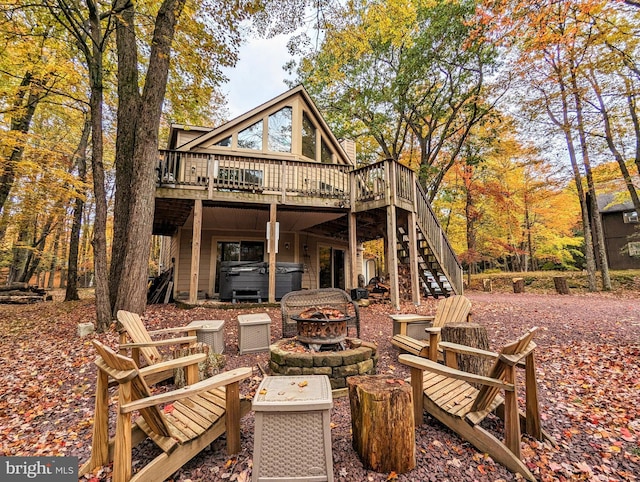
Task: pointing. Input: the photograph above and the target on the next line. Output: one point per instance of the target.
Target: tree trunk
(71, 293)
(54, 256)
(595, 212)
(469, 334)
(99, 242)
(22, 115)
(128, 112)
(382, 423)
(134, 245)
(565, 125)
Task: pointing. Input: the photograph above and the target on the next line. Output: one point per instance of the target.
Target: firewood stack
(378, 291)
(22, 293)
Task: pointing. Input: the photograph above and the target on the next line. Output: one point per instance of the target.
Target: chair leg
(122, 451)
(417, 388)
(481, 439)
(511, 416)
(100, 439)
(533, 426)
(233, 418)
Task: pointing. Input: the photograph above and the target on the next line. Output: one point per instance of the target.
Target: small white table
(412, 325)
(254, 332)
(210, 332)
(293, 429)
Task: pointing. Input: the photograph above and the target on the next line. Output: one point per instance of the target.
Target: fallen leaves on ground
(587, 365)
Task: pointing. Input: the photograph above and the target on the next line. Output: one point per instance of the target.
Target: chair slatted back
(487, 394)
(124, 370)
(133, 325)
(453, 309)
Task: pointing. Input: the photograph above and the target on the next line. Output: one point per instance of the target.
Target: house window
(308, 138)
(226, 142)
(326, 156)
(233, 176)
(251, 137)
(279, 130)
(634, 248)
(630, 217)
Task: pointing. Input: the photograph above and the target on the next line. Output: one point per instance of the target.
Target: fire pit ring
(321, 326)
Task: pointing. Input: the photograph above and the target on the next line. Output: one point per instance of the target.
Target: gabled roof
(614, 202)
(175, 128)
(259, 111)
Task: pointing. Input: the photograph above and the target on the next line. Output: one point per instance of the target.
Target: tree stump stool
(560, 283)
(382, 423)
(469, 334)
(518, 285)
(487, 285)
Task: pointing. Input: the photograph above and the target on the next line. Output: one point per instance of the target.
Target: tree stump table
(518, 285)
(382, 422)
(469, 334)
(561, 285)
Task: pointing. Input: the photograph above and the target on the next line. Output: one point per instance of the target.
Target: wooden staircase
(434, 282)
(438, 267)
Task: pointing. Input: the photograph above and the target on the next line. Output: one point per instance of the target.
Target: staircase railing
(431, 230)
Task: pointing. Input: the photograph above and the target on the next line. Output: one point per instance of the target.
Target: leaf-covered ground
(589, 381)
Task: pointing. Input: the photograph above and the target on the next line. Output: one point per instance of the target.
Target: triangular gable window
(308, 138)
(251, 137)
(279, 130)
(226, 142)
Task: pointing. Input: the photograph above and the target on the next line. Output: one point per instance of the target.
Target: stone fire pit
(290, 357)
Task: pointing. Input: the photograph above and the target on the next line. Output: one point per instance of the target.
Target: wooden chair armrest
(171, 364)
(431, 366)
(433, 329)
(177, 329)
(419, 319)
(220, 380)
(169, 341)
(467, 350)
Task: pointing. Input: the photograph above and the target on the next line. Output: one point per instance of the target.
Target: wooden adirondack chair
(455, 309)
(196, 416)
(134, 336)
(446, 393)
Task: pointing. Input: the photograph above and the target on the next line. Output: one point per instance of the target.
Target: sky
(258, 76)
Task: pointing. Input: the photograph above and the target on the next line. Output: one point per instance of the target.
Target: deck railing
(237, 173)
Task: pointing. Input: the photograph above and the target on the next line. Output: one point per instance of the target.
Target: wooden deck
(377, 188)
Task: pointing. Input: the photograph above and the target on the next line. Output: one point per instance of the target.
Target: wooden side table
(382, 422)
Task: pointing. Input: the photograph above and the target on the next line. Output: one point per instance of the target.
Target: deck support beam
(195, 250)
(392, 256)
(353, 252)
(273, 247)
(414, 267)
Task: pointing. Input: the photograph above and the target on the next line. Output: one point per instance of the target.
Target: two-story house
(274, 187)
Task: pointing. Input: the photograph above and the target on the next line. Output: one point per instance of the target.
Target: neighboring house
(621, 232)
(273, 188)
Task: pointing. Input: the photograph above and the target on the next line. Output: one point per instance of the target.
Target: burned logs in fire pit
(319, 326)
